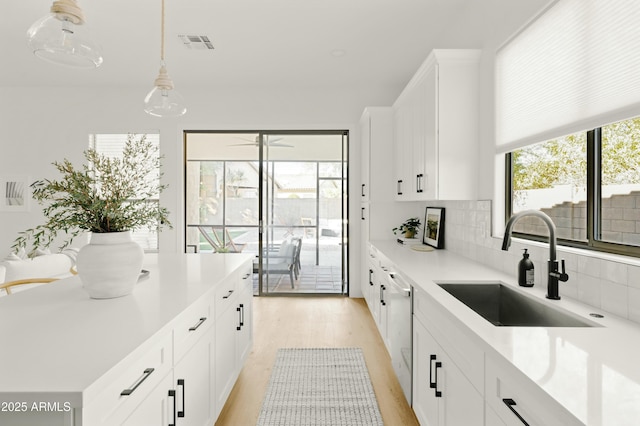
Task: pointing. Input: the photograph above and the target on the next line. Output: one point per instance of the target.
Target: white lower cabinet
(233, 336)
(209, 342)
(442, 395)
(456, 378)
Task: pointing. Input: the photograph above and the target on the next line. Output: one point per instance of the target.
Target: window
(112, 146)
(587, 182)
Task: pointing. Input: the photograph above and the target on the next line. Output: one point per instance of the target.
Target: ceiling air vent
(196, 42)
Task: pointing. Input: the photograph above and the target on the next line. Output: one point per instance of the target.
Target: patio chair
(218, 242)
(296, 263)
(283, 262)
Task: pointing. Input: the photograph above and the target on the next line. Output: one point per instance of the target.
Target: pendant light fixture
(61, 38)
(163, 100)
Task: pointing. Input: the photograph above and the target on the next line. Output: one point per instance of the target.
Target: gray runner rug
(320, 387)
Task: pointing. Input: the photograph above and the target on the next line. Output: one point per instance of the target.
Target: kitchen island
(70, 360)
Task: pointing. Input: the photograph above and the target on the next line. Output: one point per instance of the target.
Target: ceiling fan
(269, 142)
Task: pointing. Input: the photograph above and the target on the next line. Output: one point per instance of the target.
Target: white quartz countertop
(56, 342)
(594, 372)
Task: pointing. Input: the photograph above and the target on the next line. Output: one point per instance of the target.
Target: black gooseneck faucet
(554, 275)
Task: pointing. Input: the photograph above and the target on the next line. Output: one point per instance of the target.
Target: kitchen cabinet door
(365, 155)
(224, 356)
(376, 127)
(442, 395)
(402, 147)
(460, 403)
(368, 286)
(427, 150)
(425, 404)
(191, 384)
(244, 329)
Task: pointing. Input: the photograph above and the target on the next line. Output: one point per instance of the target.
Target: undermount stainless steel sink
(504, 306)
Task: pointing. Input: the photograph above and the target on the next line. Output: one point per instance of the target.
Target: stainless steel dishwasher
(399, 330)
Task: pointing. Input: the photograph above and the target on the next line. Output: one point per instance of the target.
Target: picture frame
(15, 193)
(434, 227)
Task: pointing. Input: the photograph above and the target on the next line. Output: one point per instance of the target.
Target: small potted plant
(108, 197)
(409, 227)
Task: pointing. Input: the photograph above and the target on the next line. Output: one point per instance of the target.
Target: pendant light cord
(162, 34)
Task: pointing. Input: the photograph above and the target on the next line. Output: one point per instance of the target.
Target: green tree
(563, 161)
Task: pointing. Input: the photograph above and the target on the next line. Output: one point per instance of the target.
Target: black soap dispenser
(525, 270)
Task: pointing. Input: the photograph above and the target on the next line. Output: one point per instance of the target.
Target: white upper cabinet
(376, 127)
(436, 129)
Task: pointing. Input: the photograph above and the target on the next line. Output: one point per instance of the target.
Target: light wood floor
(281, 322)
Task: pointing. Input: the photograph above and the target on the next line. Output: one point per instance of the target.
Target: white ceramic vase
(109, 266)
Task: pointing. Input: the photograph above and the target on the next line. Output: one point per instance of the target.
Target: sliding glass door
(279, 196)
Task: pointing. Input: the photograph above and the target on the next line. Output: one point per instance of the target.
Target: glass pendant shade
(57, 39)
(163, 100)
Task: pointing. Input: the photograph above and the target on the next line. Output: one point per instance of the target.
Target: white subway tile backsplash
(633, 275)
(634, 304)
(610, 286)
(614, 298)
(589, 266)
(569, 289)
(615, 272)
(589, 291)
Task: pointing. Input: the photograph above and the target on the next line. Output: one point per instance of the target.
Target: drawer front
(190, 326)
(246, 278)
(226, 294)
(463, 351)
(518, 401)
(126, 387)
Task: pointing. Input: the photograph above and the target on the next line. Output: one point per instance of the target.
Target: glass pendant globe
(163, 102)
(56, 39)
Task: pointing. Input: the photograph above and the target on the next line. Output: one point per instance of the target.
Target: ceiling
(285, 44)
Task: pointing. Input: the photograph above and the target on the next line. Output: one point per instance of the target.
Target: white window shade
(575, 67)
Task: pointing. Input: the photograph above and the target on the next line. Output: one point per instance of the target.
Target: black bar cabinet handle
(242, 315)
(181, 383)
(239, 311)
(511, 403)
(145, 374)
(362, 213)
(198, 324)
(438, 393)
(228, 294)
(399, 187)
(432, 384)
(363, 189)
(172, 394)
(246, 276)
(370, 276)
(382, 289)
